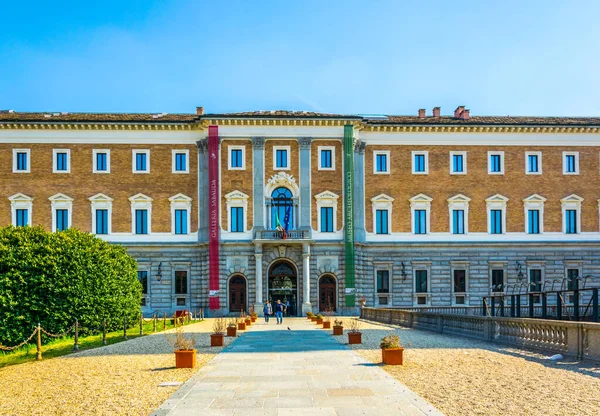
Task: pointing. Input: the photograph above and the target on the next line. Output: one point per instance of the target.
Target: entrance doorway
(237, 293)
(327, 293)
(283, 286)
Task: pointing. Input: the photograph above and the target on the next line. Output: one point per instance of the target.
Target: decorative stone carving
(304, 142)
(359, 146)
(282, 179)
(281, 250)
(202, 145)
(237, 264)
(328, 264)
(258, 142)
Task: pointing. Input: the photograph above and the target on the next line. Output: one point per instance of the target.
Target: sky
(538, 58)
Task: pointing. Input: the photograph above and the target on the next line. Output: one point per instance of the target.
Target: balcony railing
(279, 235)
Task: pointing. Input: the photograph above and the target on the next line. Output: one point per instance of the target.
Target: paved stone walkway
(270, 370)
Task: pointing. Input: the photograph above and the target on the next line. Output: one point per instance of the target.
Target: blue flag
(286, 219)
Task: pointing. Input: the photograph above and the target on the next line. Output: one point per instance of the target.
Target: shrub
(338, 322)
(354, 325)
(55, 278)
(319, 316)
(390, 341)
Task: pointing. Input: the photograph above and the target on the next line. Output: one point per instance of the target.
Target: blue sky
(392, 57)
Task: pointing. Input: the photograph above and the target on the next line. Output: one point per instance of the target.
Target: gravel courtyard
(461, 376)
(117, 379)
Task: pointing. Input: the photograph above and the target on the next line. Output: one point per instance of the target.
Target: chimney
(421, 113)
(436, 111)
(466, 115)
(199, 111)
(458, 111)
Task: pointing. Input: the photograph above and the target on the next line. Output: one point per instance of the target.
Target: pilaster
(305, 186)
(202, 189)
(258, 173)
(359, 191)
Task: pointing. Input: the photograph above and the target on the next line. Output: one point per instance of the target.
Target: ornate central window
(282, 208)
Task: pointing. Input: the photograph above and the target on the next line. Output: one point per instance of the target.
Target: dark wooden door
(237, 294)
(327, 294)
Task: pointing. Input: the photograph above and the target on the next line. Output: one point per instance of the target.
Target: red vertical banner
(213, 208)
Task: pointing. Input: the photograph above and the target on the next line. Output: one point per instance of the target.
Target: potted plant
(253, 315)
(313, 317)
(183, 345)
(231, 327)
(319, 319)
(309, 315)
(242, 322)
(354, 334)
(216, 338)
(338, 327)
(391, 351)
(327, 320)
(248, 321)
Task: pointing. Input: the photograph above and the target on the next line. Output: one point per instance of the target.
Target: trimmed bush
(55, 278)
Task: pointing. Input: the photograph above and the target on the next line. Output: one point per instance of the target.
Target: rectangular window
(22, 217)
(180, 162)
(383, 281)
(420, 281)
(141, 221)
(143, 278)
(281, 158)
(457, 164)
(101, 162)
(326, 161)
(495, 163)
(140, 162)
(381, 162)
(572, 276)
(460, 281)
(181, 221)
(533, 220)
(62, 161)
(180, 282)
(420, 221)
(458, 221)
(101, 221)
(533, 165)
(62, 219)
(535, 278)
(419, 161)
(497, 280)
(236, 158)
(570, 163)
(22, 161)
(326, 219)
(571, 221)
(496, 221)
(381, 221)
(237, 219)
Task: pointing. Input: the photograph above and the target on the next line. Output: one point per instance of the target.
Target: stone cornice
(98, 126)
(481, 129)
(278, 122)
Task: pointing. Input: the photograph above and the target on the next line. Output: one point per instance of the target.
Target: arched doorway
(237, 293)
(283, 285)
(327, 298)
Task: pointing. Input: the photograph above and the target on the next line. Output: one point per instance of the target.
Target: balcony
(278, 235)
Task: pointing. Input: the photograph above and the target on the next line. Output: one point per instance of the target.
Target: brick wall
(327, 180)
(236, 180)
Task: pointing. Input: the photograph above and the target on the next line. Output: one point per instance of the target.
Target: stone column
(359, 191)
(305, 197)
(202, 189)
(306, 305)
(258, 174)
(258, 256)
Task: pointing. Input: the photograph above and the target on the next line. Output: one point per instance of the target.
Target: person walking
(279, 307)
(287, 308)
(267, 310)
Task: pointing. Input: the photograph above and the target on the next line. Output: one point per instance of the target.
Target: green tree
(55, 278)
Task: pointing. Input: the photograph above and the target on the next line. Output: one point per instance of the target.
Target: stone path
(270, 370)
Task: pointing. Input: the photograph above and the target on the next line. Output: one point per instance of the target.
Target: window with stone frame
(181, 282)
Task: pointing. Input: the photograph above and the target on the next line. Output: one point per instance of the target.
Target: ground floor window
(181, 282)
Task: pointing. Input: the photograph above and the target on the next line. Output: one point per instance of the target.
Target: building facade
(224, 211)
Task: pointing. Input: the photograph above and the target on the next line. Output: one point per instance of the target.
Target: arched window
(282, 209)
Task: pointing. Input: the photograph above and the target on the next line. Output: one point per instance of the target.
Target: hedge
(55, 278)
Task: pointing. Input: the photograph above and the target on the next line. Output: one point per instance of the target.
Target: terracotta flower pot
(231, 331)
(253, 319)
(338, 330)
(308, 317)
(185, 358)
(248, 321)
(313, 318)
(216, 340)
(392, 356)
(242, 326)
(319, 321)
(354, 337)
(326, 325)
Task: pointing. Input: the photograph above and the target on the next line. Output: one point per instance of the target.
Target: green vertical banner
(349, 212)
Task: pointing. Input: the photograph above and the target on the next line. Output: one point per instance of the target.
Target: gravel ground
(461, 376)
(119, 379)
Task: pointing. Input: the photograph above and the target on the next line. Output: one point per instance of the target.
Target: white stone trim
(182, 202)
(327, 199)
(236, 147)
(15, 152)
(382, 202)
(61, 201)
(289, 158)
(388, 162)
(534, 202)
(539, 158)
(141, 201)
(95, 160)
(564, 158)
(101, 201)
(496, 202)
(332, 149)
(571, 202)
(175, 152)
(420, 202)
(489, 161)
(426, 157)
(142, 151)
(451, 167)
(458, 202)
(237, 199)
(21, 201)
(55, 153)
